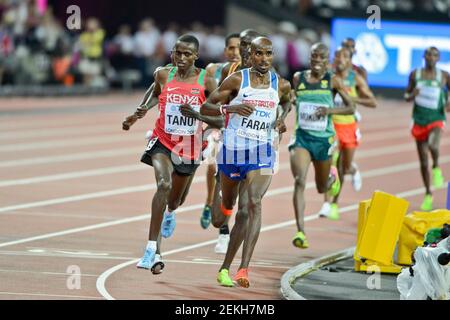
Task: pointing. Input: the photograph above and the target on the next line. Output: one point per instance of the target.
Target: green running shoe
(336, 186)
(300, 240)
(427, 204)
(438, 179)
(205, 218)
(223, 278)
(334, 212)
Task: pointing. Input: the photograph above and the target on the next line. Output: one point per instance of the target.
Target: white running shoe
(325, 210)
(222, 244)
(356, 178)
(149, 134)
(158, 265)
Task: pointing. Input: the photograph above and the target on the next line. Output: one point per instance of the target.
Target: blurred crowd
(37, 48)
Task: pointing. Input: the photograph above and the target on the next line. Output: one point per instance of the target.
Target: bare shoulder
(285, 86)
(211, 69)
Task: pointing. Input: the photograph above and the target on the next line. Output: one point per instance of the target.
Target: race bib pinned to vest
(177, 124)
(307, 118)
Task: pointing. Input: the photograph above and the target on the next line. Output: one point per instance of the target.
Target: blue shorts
(235, 164)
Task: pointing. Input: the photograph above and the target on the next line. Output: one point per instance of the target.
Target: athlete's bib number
(177, 124)
(428, 97)
(309, 120)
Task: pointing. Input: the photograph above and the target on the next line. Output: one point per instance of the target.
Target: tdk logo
(262, 114)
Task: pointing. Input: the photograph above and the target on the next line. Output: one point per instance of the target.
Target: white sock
(151, 245)
(168, 212)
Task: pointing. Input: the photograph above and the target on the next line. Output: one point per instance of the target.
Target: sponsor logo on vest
(182, 99)
(324, 84)
(195, 91)
(301, 86)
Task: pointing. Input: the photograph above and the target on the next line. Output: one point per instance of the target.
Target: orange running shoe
(242, 278)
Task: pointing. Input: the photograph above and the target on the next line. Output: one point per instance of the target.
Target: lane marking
(101, 281)
(273, 192)
(69, 142)
(48, 295)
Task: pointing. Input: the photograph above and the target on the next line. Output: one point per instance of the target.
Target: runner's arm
(223, 95)
(411, 91)
(214, 121)
(285, 102)
(365, 95)
(338, 87)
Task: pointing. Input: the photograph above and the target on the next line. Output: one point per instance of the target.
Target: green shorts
(320, 149)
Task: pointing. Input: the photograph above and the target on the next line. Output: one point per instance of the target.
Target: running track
(73, 193)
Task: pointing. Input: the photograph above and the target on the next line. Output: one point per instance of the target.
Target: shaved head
(320, 47)
(260, 42)
(249, 33)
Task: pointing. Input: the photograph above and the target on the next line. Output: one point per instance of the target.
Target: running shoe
(148, 260)
(223, 278)
(242, 278)
(336, 185)
(300, 240)
(438, 179)
(222, 243)
(427, 204)
(356, 178)
(334, 212)
(149, 134)
(205, 219)
(325, 210)
(168, 225)
(158, 265)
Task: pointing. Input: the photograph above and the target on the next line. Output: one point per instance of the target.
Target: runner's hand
(321, 111)
(129, 121)
(141, 112)
(187, 111)
(241, 109)
(281, 126)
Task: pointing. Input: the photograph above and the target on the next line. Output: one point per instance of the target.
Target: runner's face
(262, 57)
(244, 49)
(185, 55)
(431, 57)
(318, 61)
(350, 45)
(231, 51)
(342, 59)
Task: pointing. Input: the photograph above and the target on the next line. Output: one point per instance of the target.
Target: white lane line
(110, 153)
(147, 187)
(218, 263)
(70, 142)
(62, 255)
(73, 175)
(101, 281)
(48, 273)
(43, 133)
(48, 295)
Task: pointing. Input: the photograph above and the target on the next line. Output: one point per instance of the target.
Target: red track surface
(72, 186)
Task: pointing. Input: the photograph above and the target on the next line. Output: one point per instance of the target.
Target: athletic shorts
(182, 167)
(348, 135)
(421, 133)
(235, 164)
(320, 149)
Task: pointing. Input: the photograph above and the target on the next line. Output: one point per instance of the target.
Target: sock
(224, 229)
(167, 212)
(226, 212)
(151, 245)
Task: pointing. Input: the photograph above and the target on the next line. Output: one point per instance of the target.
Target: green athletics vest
(311, 96)
(429, 103)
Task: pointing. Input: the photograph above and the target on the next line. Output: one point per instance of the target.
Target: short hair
(189, 39)
(249, 33)
(231, 36)
(320, 47)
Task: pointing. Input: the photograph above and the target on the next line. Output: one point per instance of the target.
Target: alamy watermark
(73, 22)
(73, 282)
(374, 21)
